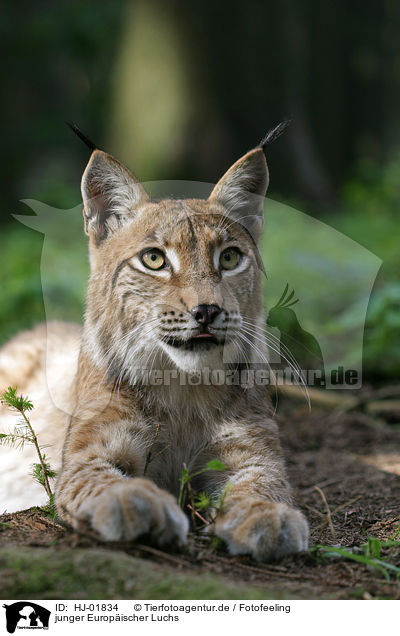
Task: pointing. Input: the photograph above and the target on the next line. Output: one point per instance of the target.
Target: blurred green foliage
(21, 292)
(382, 333)
(369, 215)
(21, 301)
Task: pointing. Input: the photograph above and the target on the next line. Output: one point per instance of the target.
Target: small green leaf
(215, 464)
(374, 547)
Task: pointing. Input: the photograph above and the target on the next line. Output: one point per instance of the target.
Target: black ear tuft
(82, 136)
(274, 133)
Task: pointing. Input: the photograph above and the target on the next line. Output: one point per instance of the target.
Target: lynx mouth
(201, 341)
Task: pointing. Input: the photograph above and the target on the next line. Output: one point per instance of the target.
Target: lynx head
(173, 282)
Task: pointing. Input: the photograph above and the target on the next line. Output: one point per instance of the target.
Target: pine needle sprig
(24, 433)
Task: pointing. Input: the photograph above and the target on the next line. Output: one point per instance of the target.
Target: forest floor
(344, 465)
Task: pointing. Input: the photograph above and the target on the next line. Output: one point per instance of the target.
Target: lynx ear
(242, 189)
(110, 195)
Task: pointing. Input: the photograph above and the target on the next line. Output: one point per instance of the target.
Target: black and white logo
(26, 615)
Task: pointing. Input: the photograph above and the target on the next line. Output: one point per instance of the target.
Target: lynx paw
(126, 510)
(265, 530)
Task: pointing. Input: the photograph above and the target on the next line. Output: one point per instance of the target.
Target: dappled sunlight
(388, 462)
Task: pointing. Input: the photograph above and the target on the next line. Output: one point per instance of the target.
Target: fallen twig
(195, 512)
(328, 513)
(322, 484)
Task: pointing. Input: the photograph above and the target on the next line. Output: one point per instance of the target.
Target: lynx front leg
(257, 517)
(100, 486)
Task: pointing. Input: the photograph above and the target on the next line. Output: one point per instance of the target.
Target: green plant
(202, 505)
(23, 433)
(374, 554)
(211, 504)
(5, 525)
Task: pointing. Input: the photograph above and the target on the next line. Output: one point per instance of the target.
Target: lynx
(175, 290)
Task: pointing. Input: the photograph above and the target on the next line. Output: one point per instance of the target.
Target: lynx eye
(230, 258)
(153, 259)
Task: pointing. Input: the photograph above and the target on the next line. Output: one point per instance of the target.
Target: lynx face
(172, 282)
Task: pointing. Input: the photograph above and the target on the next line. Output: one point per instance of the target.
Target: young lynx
(175, 290)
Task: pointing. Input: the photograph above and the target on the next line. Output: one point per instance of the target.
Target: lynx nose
(205, 314)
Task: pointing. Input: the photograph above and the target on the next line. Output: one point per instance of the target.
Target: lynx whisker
(267, 333)
(258, 352)
(271, 338)
(296, 369)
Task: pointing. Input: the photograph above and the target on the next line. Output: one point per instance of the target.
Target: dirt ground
(344, 465)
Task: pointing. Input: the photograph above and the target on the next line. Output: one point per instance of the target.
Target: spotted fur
(126, 442)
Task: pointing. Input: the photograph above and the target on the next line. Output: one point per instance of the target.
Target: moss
(48, 573)
(4, 525)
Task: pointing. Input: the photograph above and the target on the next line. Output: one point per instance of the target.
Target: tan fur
(127, 442)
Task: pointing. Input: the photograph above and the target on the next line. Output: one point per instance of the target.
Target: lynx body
(174, 291)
